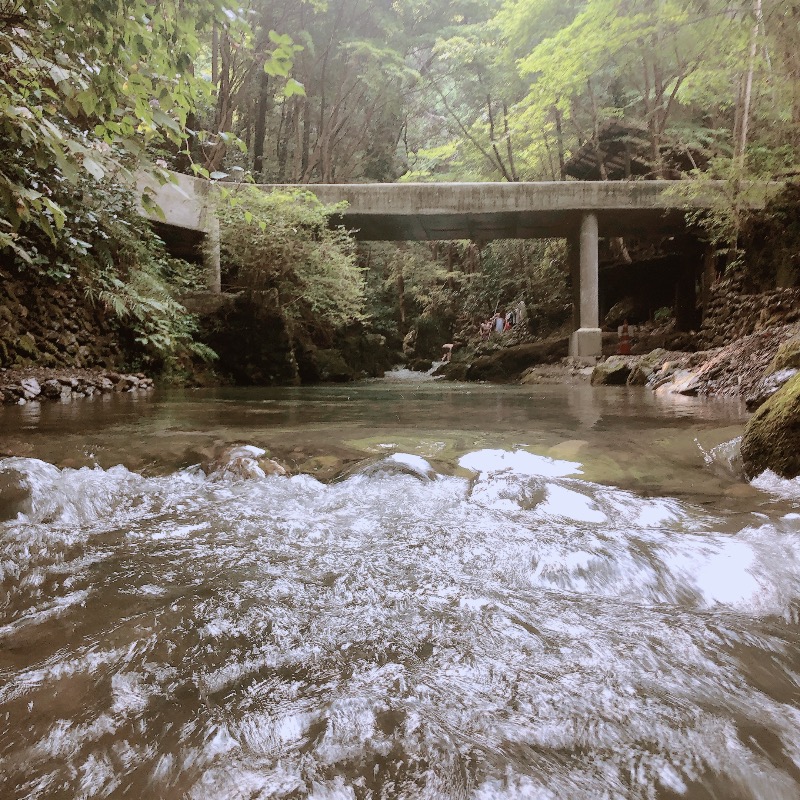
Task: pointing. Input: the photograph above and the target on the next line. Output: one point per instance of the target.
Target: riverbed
(459, 591)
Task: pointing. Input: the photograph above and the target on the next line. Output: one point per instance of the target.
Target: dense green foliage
(87, 91)
(461, 285)
(483, 89)
(280, 243)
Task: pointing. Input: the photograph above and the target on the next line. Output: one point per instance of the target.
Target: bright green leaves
(280, 60)
(294, 87)
(282, 242)
(85, 88)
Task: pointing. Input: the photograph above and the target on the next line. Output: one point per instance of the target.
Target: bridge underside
(487, 226)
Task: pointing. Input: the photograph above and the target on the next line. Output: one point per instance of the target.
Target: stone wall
(731, 315)
(50, 324)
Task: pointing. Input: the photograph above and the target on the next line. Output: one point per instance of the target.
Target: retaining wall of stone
(49, 324)
(731, 315)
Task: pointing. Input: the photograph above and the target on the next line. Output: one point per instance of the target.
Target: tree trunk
(260, 125)
(560, 143)
(746, 94)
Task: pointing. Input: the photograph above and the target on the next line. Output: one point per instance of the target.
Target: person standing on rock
(499, 323)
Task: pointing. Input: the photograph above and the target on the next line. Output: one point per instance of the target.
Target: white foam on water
(768, 481)
(563, 502)
(519, 462)
(417, 463)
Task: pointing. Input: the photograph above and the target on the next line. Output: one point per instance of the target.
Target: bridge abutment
(586, 341)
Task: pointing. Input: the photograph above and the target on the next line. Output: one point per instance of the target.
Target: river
(549, 592)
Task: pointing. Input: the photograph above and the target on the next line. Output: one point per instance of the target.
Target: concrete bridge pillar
(586, 341)
(211, 255)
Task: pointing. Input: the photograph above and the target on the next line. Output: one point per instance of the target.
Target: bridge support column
(211, 257)
(586, 341)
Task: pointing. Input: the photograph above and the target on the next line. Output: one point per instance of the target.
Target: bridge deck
(478, 211)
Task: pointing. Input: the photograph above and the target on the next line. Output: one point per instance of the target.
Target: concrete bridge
(580, 211)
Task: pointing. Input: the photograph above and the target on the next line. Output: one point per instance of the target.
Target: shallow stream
(475, 592)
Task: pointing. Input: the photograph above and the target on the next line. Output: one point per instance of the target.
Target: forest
(292, 92)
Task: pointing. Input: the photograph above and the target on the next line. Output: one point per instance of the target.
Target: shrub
(281, 242)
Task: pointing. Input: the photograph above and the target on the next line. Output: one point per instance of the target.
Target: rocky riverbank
(751, 367)
(36, 384)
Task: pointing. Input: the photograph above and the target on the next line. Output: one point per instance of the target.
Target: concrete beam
(477, 211)
(487, 211)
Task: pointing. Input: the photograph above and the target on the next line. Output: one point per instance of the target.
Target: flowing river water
(552, 592)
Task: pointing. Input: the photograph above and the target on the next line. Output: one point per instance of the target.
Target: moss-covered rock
(332, 366)
(253, 339)
(510, 362)
(26, 346)
(787, 356)
(431, 332)
(646, 366)
(772, 436)
(612, 372)
(367, 352)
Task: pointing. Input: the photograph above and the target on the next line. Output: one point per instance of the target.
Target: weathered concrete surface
(486, 211)
(478, 211)
(184, 200)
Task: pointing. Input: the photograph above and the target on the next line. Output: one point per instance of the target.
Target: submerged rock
(242, 461)
(772, 436)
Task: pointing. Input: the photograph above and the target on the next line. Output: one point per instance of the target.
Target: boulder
(612, 372)
(26, 346)
(367, 352)
(645, 367)
(629, 308)
(31, 388)
(332, 367)
(51, 389)
(771, 437)
(452, 371)
(510, 362)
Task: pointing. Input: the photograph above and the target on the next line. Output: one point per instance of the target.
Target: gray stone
(767, 387)
(51, 389)
(646, 367)
(31, 388)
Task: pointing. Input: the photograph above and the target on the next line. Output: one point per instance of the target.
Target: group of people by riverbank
(497, 324)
